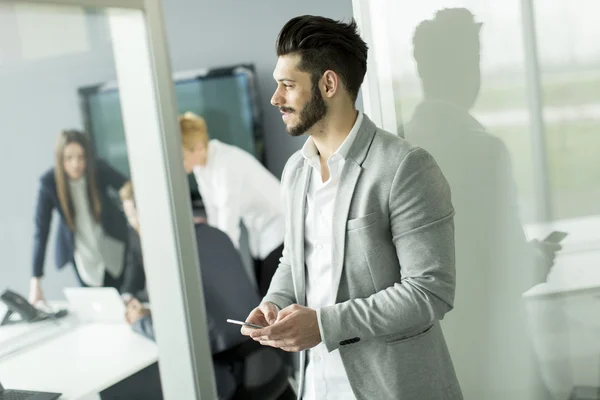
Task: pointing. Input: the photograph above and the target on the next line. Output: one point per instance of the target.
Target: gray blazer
(393, 268)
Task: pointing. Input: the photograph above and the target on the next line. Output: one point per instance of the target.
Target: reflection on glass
(63, 224)
(486, 331)
(523, 325)
(502, 102)
(570, 68)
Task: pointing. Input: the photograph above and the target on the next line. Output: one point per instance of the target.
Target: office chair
(274, 387)
(229, 293)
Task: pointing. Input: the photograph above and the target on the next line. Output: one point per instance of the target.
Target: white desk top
(78, 362)
(20, 336)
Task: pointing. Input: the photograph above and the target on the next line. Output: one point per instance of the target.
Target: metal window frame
(541, 184)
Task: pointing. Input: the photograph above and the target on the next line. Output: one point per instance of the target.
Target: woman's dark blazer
(112, 218)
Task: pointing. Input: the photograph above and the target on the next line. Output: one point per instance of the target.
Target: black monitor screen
(224, 97)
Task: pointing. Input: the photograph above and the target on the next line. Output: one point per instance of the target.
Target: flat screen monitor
(227, 98)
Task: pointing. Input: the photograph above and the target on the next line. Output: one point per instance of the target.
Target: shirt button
(319, 246)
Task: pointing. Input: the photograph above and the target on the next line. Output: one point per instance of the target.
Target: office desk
(79, 362)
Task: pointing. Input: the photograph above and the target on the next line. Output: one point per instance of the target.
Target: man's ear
(331, 83)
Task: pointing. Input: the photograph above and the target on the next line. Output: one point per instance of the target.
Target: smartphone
(555, 237)
(234, 321)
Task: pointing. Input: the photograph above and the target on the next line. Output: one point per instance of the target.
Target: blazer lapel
(340, 216)
(348, 179)
(298, 210)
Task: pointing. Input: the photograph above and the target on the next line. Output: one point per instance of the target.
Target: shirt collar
(311, 153)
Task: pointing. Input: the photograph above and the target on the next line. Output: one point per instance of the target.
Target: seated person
(228, 293)
(134, 278)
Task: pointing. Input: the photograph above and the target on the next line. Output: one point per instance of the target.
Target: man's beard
(313, 112)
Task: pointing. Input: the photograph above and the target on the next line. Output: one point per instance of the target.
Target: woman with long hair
(92, 230)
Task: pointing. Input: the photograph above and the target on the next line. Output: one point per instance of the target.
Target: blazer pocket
(399, 339)
(361, 222)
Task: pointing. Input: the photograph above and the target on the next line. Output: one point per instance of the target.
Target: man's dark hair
(324, 44)
(447, 51)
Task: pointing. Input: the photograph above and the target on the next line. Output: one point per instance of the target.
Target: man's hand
(135, 311)
(295, 329)
(264, 315)
(547, 251)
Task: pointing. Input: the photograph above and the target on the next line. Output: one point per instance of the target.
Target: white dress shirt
(236, 187)
(325, 376)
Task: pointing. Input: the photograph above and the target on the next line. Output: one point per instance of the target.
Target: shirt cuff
(320, 325)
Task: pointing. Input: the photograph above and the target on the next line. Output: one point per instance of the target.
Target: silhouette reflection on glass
(486, 332)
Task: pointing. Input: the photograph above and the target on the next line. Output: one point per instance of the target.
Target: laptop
(9, 394)
(96, 304)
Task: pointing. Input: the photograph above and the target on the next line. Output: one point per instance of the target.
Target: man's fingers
(278, 343)
(286, 312)
(278, 331)
(284, 345)
(246, 331)
(256, 317)
(269, 311)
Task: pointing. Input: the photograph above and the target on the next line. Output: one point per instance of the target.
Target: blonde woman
(236, 188)
(92, 231)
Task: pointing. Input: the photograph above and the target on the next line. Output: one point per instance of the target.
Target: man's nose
(277, 99)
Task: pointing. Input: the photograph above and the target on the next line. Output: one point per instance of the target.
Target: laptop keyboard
(16, 395)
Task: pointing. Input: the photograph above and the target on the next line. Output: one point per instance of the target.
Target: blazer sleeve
(422, 228)
(110, 175)
(281, 291)
(43, 217)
